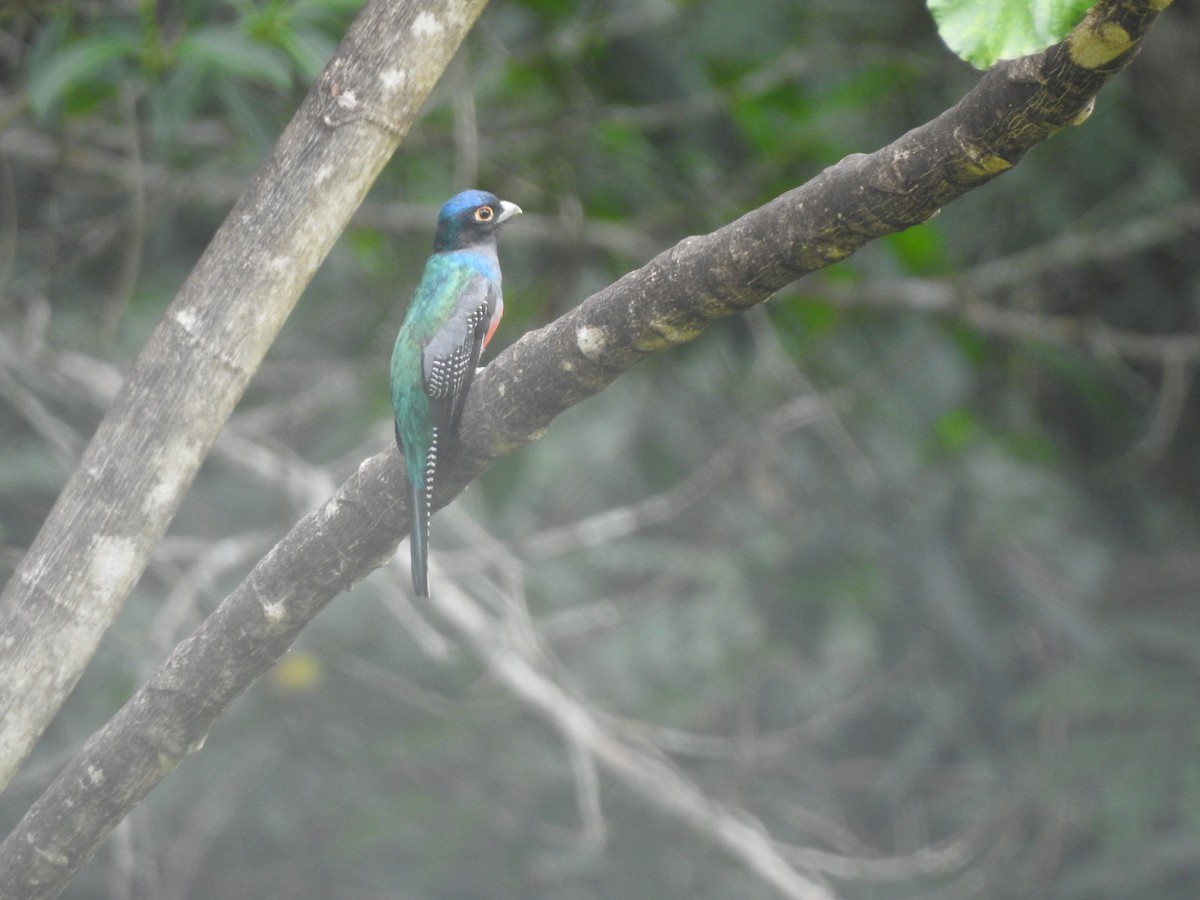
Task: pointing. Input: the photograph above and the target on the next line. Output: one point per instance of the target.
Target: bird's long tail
(418, 537)
(418, 511)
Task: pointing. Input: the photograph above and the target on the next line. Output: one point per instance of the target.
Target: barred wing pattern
(449, 363)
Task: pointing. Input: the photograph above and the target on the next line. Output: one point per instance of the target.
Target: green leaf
(984, 31)
(227, 50)
(77, 65)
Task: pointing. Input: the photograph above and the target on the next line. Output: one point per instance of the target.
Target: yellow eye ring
(484, 214)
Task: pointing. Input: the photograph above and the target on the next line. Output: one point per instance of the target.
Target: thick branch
(668, 301)
(680, 292)
(115, 508)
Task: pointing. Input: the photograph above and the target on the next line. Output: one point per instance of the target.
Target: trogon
(451, 318)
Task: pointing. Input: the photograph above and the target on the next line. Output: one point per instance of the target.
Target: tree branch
(681, 291)
(666, 302)
(96, 541)
(642, 770)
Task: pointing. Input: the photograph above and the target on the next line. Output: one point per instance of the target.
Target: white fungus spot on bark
(187, 320)
(590, 341)
(162, 495)
(426, 25)
(173, 465)
(274, 612)
(112, 563)
(393, 78)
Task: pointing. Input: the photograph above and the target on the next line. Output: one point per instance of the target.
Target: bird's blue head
(471, 218)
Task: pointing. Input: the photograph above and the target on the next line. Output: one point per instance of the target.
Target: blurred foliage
(964, 599)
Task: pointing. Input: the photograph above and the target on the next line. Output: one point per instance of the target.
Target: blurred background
(904, 563)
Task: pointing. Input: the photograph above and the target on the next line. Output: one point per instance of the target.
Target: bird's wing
(450, 357)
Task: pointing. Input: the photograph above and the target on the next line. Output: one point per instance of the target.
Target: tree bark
(666, 302)
(116, 506)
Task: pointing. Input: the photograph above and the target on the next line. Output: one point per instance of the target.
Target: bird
(450, 319)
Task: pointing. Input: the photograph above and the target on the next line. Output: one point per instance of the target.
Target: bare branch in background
(665, 303)
(115, 508)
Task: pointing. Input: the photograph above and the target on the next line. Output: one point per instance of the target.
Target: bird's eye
(484, 214)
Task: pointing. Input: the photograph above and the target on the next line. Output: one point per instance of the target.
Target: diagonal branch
(666, 302)
(96, 541)
(681, 291)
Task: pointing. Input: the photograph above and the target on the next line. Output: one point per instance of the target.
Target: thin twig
(647, 774)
